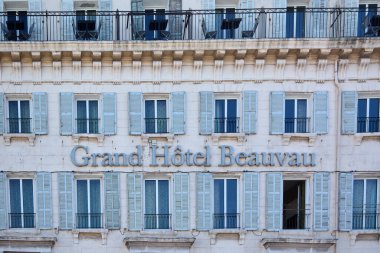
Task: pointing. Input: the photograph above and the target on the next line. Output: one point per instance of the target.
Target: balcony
(19, 125)
(157, 221)
(295, 218)
(22, 220)
(368, 124)
(89, 220)
(262, 23)
(297, 125)
(226, 125)
(226, 220)
(366, 217)
(156, 125)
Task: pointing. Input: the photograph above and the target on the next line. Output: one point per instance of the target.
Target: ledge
(147, 138)
(364, 235)
(98, 137)
(309, 137)
(8, 138)
(90, 232)
(161, 241)
(27, 241)
(359, 137)
(239, 137)
(215, 232)
(282, 242)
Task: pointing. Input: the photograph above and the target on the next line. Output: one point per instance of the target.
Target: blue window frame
(19, 116)
(21, 203)
(296, 120)
(88, 204)
(220, 14)
(295, 21)
(151, 14)
(225, 204)
(157, 215)
(368, 115)
(226, 120)
(365, 204)
(87, 116)
(156, 120)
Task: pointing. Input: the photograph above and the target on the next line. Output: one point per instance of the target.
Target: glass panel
(150, 204)
(23, 17)
(373, 120)
(289, 115)
(219, 116)
(149, 116)
(370, 205)
(149, 16)
(25, 116)
(231, 116)
(300, 22)
(357, 212)
(81, 116)
(362, 115)
(160, 15)
(163, 204)
(15, 199)
(27, 196)
(361, 20)
(95, 210)
(93, 117)
(161, 116)
(219, 203)
(13, 117)
(91, 14)
(231, 205)
(301, 116)
(82, 204)
(219, 16)
(230, 14)
(289, 22)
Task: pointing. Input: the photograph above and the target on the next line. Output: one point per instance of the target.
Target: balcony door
(156, 116)
(157, 214)
(19, 116)
(21, 203)
(295, 22)
(368, 115)
(294, 211)
(364, 204)
(88, 204)
(87, 116)
(296, 120)
(226, 116)
(225, 203)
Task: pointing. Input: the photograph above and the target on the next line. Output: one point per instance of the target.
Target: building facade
(189, 126)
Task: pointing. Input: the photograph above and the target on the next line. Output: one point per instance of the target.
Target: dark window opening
(294, 212)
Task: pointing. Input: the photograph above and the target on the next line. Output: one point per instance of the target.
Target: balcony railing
(19, 125)
(190, 25)
(368, 124)
(87, 126)
(297, 125)
(157, 221)
(89, 220)
(366, 217)
(22, 220)
(295, 218)
(156, 125)
(226, 125)
(226, 220)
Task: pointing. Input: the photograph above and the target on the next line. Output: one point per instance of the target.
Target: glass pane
(25, 116)
(150, 204)
(373, 120)
(361, 20)
(95, 216)
(219, 203)
(149, 116)
(219, 116)
(230, 14)
(161, 116)
(15, 199)
(231, 116)
(163, 204)
(362, 115)
(27, 196)
(219, 16)
(370, 205)
(81, 117)
(300, 22)
(301, 116)
(13, 117)
(149, 16)
(289, 115)
(231, 205)
(93, 116)
(82, 204)
(358, 198)
(289, 22)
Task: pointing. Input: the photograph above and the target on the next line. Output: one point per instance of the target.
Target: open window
(156, 116)
(89, 207)
(294, 204)
(297, 116)
(368, 19)
(226, 215)
(226, 118)
(368, 114)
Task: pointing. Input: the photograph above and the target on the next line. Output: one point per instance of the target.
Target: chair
(373, 25)
(165, 35)
(26, 36)
(94, 35)
(79, 35)
(251, 33)
(9, 35)
(139, 35)
(207, 34)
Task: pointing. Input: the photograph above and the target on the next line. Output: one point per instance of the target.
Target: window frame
(225, 97)
(87, 98)
(19, 98)
(367, 97)
(155, 98)
(309, 111)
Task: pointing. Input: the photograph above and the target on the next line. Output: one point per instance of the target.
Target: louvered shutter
(249, 112)
(279, 19)
(321, 112)
(2, 129)
(349, 110)
(319, 19)
(204, 199)
(273, 201)
(67, 21)
(350, 24)
(3, 205)
(181, 201)
(175, 21)
(251, 200)
(345, 201)
(135, 182)
(137, 20)
(277, 112)
(40, 113)
(66, 111)
(178, 112)
(112, 199)
(65, 184)
(321, 201)
(109, 113)
(44, 200)
(248, 19)
(106, 20)
(1, 5)
(206, 112)
(209, 18)
(35, 19)
(135, 113)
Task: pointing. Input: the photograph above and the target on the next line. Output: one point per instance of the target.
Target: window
(155, 23)
(295, 21)
(87, 116)
(220, 15)
(19, 116)
(368, 115)
(365, 13)
(294, 211)
(225, 204)
(296, 120)
(89, 213)
(365, 204)
(21, 203)
(157, 215)
(156, 120)
(226, 120)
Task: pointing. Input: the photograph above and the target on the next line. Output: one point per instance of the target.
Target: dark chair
(207, 34)
(251, 33)
(9, 35)
(165, 35)
(79, 34)
(139, 35)
(26, 36)
(94, 35)
(373, 25)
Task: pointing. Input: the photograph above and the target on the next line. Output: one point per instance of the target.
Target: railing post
(117, 25)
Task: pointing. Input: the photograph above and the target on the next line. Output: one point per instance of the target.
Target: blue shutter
(175, 21)
(1, 5)
(181, 201)
(44, 200)
(65, 187)
(251, 200)
(1, 113)
(210, 18)
(35, 20)
(67, 21)
(112, 199)
(178, 112)
(345, 201)
(349, 105)
(66, 111)
(106, 20)
(279, 19)
(273, 201)
(135, 113)
(277, 112)
(40, 113)
(319, 20)
(321, 201)
(204, 200)
(350, 22)
(321, 112)
(206, 112)
(3, 205)
(135, 213)
(249, 112)
(109, 113)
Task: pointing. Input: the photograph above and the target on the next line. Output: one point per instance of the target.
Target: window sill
(98, 137)
(364, 235)
(309, 137)
(215, 232)
(90, 233)
(149, 138)
(305, 242)
(9, 137)
(239, 137)
(167, 241)
(359, 137)
(29, 243)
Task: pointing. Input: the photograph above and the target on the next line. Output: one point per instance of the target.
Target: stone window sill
(90, 233)
(309, 137)
(151, 138)
(98, 137)
(312, 243)
(360, 137)
(215, 232)
(216, 137)
(14, 136)
(158, 241)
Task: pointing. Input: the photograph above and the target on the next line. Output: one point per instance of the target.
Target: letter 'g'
(84, 158)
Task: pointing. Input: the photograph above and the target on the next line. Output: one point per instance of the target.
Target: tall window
(156, 120)
(88, 204)
(296, 120)
(294, 212)
(19, 116)
(226, 120)
(364, 204)
(368, 115)
(225, 204)
(366, 12)
(157, 214)
(21, 203)
(152, 32)
(295, 22)
(87, 116)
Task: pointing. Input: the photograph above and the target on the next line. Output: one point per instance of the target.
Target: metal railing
(297, 125)
(226, 220)
(19, 125)
(157, 221)
(89, 220)
(295, 218)
(87, 126)
(368, 124)
(366, 217)
(22, 220)
(261, 23)
(226, 125)
(156, 125)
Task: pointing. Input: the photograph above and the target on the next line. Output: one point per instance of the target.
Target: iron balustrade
(226, 125)
(226, 220)
(19, 125)
(366, 217)
(156, 125)
(89, 220)
(22, 220)
(295, 218)
(87, 126)
(297, 125)
(368, 124)
(264, 23)
(157, 221)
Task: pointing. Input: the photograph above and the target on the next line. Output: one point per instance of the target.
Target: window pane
(15, 199)
(27, 196)
(149, 116)
(219, 203)
(231, 216)
(301, 116)
(289, 115)
(25, 116)
(357, 221)
(95, 217)
(93, 116)
(231, 116)
(289, 22)
(300, 22)
(82, 204)
(13, 117)
(219, 116)
(163, 204)
(81, 117)
(371, 199)
(373, 121)
(150, 204)
(362, 115)
(161, 116)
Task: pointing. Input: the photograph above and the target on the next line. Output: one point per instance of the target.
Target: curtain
(28, 207)
(81, 117)
(149, 116)
(15, 199)
(219, 116)
(301, 116)
(373, 121)
(370, 205)
(231, 116)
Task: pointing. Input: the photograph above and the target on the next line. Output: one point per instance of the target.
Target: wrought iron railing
(190, 24)
(87, 126)
(368, 124)
(89, 220)
(19, 125)
(157, 221)
(156, 125)
(366, 217)
(295, 218)
(226, 125)
(226, 220)
(22, 220)
(297, 125)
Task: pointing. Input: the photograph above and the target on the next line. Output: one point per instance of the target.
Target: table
(158, 24)
(230, 24)
(84, 27)
(15, 25)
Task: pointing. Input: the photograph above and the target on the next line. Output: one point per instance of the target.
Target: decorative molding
(259, 71)
(36, 72)
(218, 71)
(57, 72)
(136, 72)
(156, 72)
(342, 70)
(198, 64)
(300, 70)
(213, 234)
(280, 66)
(77, 72)
(116, 72)
(239, 66)
(321, 70)
(16, 72)
(177, 71)
(97, 72)
(363, 69)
